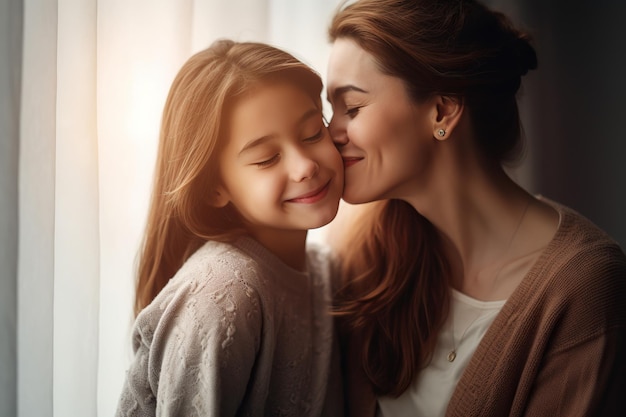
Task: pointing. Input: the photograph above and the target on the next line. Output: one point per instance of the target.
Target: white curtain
(94, 78)
(10, 73)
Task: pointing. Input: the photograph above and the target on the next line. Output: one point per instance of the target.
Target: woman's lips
(350, 160)
(312, 197)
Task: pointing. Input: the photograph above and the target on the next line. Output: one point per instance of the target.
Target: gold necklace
(452, 354)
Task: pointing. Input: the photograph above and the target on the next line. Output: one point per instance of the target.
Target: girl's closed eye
(267, 162)
(316, 137)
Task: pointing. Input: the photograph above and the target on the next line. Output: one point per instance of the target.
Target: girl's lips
(350, 160)
(312, 197)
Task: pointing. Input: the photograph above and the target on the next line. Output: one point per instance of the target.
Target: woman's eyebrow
(339, 91)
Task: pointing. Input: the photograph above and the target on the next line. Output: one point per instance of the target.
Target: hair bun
(524, 54)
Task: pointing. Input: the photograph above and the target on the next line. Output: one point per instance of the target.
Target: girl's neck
(288, 245)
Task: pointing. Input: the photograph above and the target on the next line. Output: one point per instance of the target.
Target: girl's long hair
(181, 217)
(396, 292)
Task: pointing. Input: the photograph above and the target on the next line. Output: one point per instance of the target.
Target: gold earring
(441, 133)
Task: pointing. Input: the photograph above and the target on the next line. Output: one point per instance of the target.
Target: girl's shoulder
(217, 273)
(217, 287)
(220, 261)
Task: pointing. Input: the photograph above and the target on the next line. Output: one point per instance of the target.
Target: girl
(231, 309)
(466, 295)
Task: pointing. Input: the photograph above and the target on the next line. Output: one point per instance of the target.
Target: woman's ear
(446, 114)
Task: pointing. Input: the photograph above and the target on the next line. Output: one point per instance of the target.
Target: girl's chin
(324, 218)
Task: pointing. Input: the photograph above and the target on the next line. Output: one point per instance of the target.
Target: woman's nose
(337, 132)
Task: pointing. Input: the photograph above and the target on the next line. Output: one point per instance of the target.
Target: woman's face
(384, 137)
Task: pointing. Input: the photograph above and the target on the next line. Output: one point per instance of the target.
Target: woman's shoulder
(580, 241)
(575, 291)
(583, 268)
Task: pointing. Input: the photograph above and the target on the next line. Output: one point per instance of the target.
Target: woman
(465, 295)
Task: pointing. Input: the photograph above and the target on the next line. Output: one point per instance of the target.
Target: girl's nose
(303, 167)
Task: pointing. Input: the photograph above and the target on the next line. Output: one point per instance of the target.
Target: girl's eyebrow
(339, 91)
(259, 141)
(255, 142)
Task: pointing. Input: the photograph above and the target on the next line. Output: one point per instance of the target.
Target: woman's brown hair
(181, 216)
(396, 293)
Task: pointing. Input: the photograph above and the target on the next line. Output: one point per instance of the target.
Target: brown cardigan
(558, 346)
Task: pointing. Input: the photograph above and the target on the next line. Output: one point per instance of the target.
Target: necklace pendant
(451, 356)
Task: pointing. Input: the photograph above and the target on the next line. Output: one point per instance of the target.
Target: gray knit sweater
(236, 332)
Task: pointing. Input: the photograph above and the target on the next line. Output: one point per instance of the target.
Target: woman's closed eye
(352, 111)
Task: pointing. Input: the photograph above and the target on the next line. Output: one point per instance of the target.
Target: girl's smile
(313, 196)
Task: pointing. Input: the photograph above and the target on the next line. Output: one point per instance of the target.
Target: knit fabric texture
(236, 332)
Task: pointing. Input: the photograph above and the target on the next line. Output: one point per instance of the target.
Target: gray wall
(10, 66)
(574, 106)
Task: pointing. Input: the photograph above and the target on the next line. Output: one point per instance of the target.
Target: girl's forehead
(268, 110)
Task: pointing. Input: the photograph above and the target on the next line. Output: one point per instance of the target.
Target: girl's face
(384, 137)
(279, 167)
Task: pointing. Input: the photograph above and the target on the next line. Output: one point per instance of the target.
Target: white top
(237, 332)
(431, 391)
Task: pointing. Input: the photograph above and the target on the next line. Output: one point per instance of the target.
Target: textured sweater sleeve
(195, 347)
(586, 380)
(584, 370)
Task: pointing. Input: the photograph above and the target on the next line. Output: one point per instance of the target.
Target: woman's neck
(478, 212)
